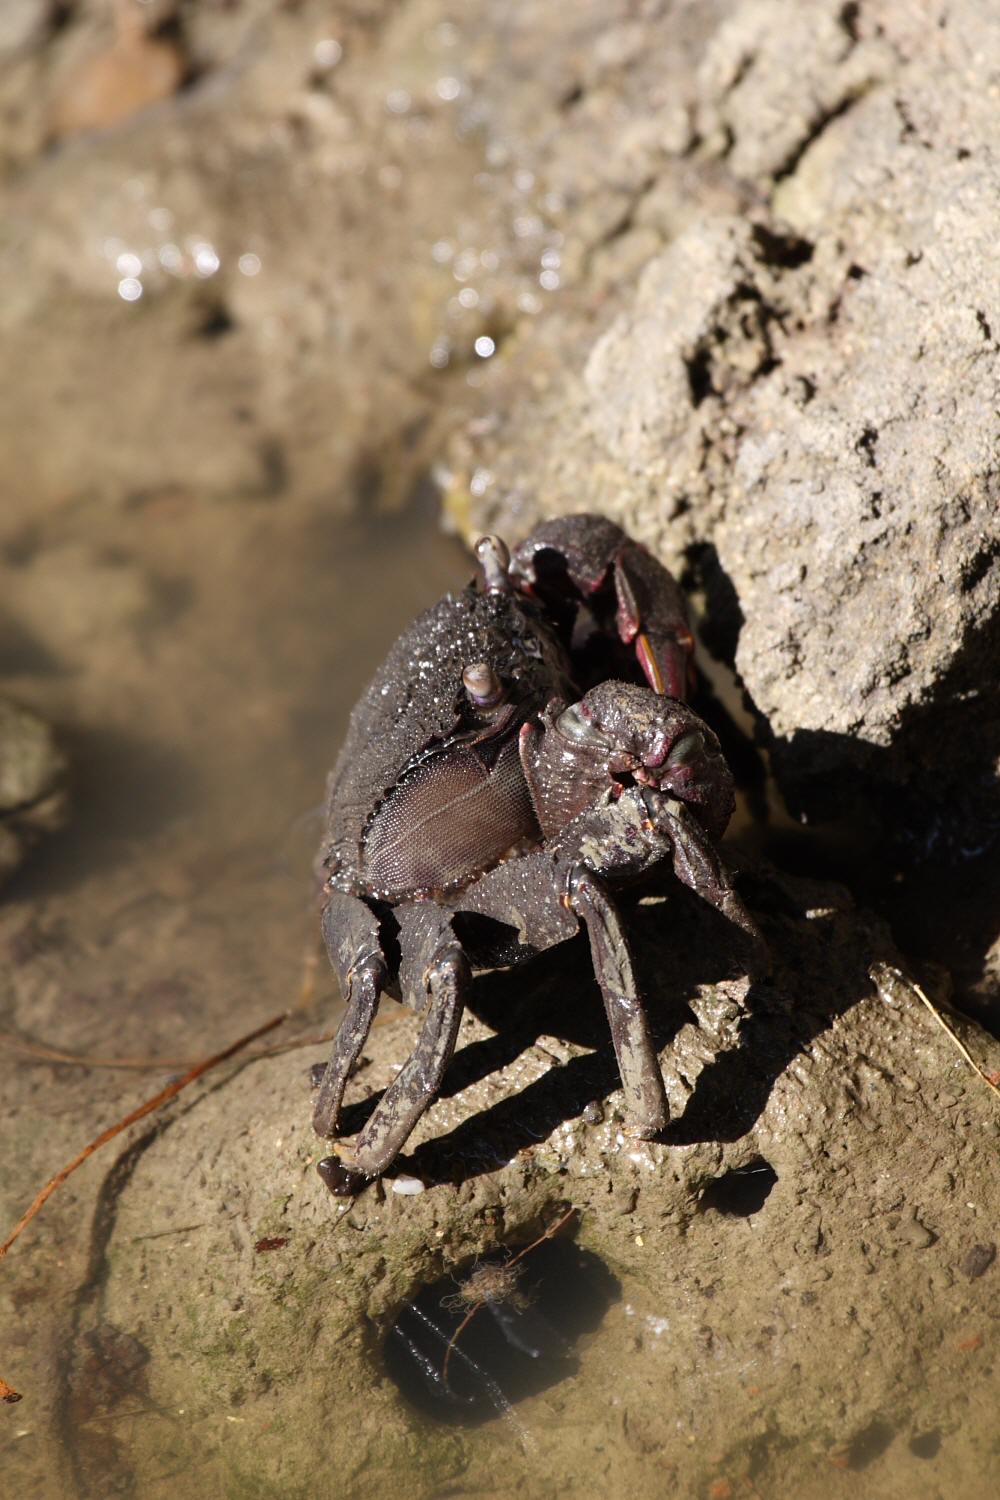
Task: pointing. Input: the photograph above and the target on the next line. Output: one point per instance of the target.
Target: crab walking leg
(698, 865)
(638, 1064)
(434, 965)
(351, 934)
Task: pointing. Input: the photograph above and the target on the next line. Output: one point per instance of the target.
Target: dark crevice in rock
(820, 125)
(848, 19)
(865, 446)
(786, 250)
(699, 375)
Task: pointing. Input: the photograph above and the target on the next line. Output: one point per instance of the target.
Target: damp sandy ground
(217, 508)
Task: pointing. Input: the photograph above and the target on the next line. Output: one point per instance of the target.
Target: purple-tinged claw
(591, 553)
(651, 614)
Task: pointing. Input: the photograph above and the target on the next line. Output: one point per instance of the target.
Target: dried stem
(38, 1052)
(130, 1119)
(886, 978)
(546, 1235)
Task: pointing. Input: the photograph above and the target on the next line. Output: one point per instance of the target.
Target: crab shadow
(678, 945)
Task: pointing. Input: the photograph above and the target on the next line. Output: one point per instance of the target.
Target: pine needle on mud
(136, 1114)
(886, 978)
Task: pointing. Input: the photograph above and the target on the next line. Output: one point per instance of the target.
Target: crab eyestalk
(493, 557)
(482, 684)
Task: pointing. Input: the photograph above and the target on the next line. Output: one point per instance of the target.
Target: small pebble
(408, 1186)
(978, 1260)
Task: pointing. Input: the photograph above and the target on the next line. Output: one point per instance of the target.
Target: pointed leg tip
(342, 1181)
(325, 1120)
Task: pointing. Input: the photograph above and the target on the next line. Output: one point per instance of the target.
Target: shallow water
(201, 704)
(204, 552)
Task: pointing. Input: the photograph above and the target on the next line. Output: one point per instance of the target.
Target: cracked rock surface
(798, 401)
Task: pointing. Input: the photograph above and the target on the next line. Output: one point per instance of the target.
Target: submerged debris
(465, 1369)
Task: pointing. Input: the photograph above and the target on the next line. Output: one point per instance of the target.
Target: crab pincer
(620, 581)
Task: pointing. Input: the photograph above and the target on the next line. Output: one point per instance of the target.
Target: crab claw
(653, 616)
(596, 555)
(665, 746)
(620, 733)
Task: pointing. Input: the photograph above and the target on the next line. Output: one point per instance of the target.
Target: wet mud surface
(276, 276)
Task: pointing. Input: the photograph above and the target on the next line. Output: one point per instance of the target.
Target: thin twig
(130, 1119)
(477, 1306)
(38, 1052)
(884, 976)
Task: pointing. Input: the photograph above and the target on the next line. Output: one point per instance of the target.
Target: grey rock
(801, 403)
(32, 792)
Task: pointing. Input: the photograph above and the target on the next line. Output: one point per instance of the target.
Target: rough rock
(799, 404)
(32, 790)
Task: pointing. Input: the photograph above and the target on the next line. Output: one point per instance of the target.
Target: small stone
(912, 1232)
(32, 777)
(978, 1260)
(407, 1186)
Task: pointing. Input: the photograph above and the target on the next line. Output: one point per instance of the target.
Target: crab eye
(687, 749)
(573, 726)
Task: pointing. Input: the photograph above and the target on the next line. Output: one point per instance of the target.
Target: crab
(501, 779)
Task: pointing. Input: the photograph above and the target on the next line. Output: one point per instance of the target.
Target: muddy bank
(837, 1325)
(723, 274)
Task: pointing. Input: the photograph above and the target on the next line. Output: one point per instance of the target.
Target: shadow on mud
(678, 946)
